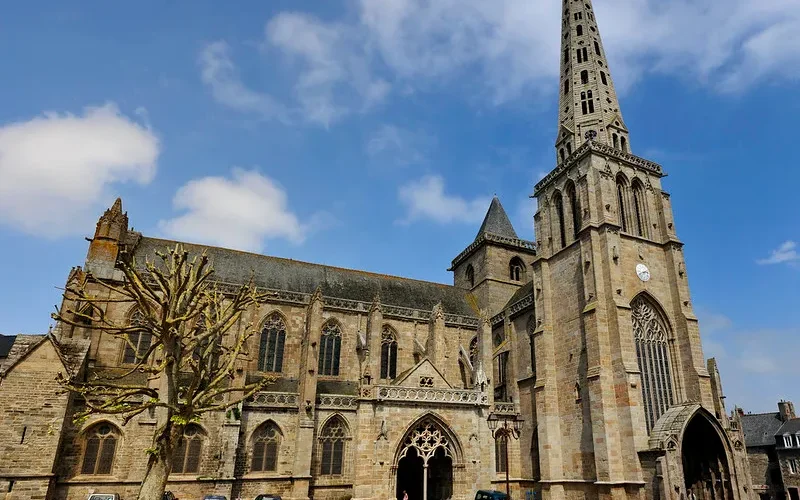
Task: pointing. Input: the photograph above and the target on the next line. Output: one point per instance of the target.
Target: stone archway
(425, 462)
(706, 471)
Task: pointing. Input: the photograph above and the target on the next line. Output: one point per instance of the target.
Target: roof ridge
(295, 261)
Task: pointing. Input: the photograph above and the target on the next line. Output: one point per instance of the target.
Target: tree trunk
(159, 464)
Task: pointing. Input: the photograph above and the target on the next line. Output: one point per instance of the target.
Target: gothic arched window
(101, 445)
(596, 48)
(187, 454)
(622, 193)
(273, 337)
(603, 78)
(516, 269)
(501, 451)
(473, 351)
(639, 209)
(138, 343)
(652, 351)
(330, 345)
(566, 86)
(470, 273)
(559, 204)
(579, 29)
(615, 139)
(623, 143)
(266, 444)
(332, 441)
(388, 353)
(584, 76)
(575, 209)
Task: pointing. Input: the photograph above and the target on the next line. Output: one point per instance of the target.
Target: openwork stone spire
(588, 107)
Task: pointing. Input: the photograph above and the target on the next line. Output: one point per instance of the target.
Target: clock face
(642, 272)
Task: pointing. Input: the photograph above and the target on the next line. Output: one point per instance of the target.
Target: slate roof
(760, 428)
(72, 352)
(22, 344)
(497, 222)
(233, 266)
(523, 291)
(791, 426)
(6, 341)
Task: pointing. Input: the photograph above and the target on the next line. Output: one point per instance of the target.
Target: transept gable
(423, 374)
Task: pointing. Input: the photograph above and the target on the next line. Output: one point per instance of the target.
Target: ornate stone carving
(273, 400)
(426, 438)
(337, 402)
(430, 395)
(505, 408)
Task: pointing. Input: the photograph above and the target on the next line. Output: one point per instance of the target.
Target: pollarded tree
(190, 349)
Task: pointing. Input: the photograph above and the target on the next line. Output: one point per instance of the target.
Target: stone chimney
(786, 410)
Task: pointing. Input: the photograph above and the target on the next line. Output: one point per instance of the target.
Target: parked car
(215, 497)
(103, 496)
(266, 496)
(490, 495)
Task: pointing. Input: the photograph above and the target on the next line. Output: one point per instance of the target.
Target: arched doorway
(425, 462)
(706, 471)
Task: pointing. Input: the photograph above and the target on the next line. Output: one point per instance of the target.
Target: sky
(372, 135)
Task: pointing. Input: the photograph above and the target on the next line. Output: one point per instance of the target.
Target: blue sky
(372, 135)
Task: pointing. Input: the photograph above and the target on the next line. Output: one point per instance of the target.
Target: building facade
(385, 384)
(773, 451)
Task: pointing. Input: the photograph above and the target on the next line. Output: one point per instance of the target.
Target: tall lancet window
(639, 209)
(622, 193)
(652, 351)
(388, 353)
(575, 209)
(559, 204)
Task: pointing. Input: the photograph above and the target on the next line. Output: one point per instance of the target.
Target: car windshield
(267, 497)
(101, 497)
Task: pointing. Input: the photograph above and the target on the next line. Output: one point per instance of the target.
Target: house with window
(773, 451)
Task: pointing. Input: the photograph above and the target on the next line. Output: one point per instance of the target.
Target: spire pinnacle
(117, 206)
(588, 107)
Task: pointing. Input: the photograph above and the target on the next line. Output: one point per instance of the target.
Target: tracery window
(187, 454)
(388, 353)
(332, 440)
(138, 342)
(273, 338)
(473, 351)
(426, 438)
(266, 443)
(329, 349)
(101, 444)
(651, 336)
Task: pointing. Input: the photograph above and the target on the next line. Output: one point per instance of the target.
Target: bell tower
(588, 106)
(616, 342)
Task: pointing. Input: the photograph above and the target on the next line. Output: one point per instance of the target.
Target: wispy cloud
(426, 199)
(390, 144)
(242, 211)
(785, 253)
(56, 169)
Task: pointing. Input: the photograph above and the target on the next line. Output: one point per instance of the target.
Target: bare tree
(182, 337)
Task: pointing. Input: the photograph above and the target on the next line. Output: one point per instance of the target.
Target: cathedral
(566, 368)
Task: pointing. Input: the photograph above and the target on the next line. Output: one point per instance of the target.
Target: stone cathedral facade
(587, 336)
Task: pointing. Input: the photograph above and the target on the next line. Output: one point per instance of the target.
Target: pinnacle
(117, 206)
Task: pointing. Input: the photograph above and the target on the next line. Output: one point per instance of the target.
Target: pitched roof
(233, 266)
(71, 352)
(791, 426)
(760, 428)
(496, 222)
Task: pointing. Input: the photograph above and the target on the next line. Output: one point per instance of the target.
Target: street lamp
(513, 430)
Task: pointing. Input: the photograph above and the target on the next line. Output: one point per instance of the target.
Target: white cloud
(787, 252)
(398, 146)
(219, 72)
(425, 199)
(238, 212)
(56, 169)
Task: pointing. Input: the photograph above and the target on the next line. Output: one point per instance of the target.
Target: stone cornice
(513, 243)
(604, 149)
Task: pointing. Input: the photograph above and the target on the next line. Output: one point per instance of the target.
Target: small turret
(112, 227)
